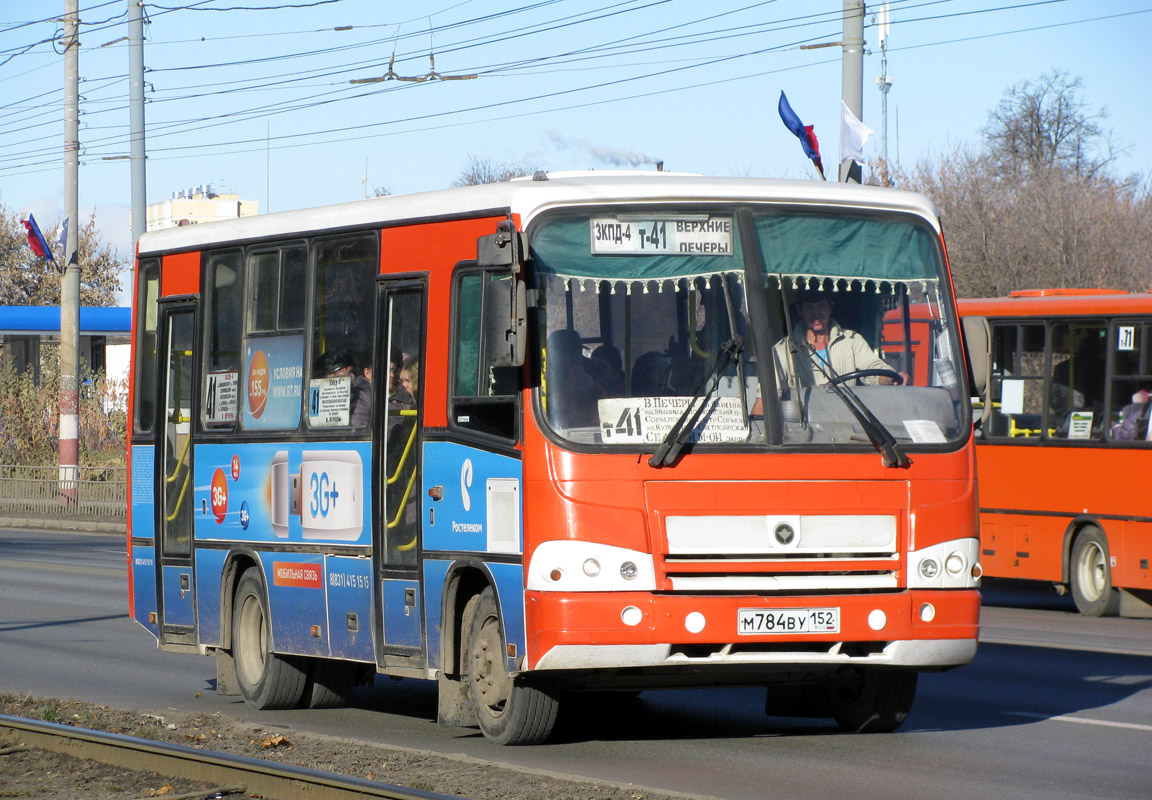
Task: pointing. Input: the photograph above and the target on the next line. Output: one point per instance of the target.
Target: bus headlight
(568, 566)
(947, 565)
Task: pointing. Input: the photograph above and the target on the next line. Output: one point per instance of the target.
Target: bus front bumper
(918, 629)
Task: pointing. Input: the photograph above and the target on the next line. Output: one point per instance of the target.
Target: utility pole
(852, 74)
(136, 119)
(69, 473)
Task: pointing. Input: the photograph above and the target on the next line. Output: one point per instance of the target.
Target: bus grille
(781, 554)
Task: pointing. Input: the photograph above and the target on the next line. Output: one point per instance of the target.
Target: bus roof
(1067, 302)
(527, 197)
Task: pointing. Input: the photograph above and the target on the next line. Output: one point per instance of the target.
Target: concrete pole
(69, 472)
(852, 75)
(136, 119)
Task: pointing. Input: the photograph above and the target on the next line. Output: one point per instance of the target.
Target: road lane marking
(1083, 721)
(1087, 648)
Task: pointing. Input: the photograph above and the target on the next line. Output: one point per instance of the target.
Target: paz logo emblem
(465, 483)
(784, 533)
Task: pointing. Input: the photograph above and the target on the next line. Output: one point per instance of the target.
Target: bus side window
(483, 386)
(1017, 387)
(272, 357)
(344, 297)
(1076, 393)
(1131, 344)
(223, 329)
(147, 311)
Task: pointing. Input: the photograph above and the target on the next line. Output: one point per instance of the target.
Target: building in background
(198, 204)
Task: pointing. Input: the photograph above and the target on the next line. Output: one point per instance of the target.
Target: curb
(63, 525)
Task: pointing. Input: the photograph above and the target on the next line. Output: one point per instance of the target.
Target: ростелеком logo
(465, 483)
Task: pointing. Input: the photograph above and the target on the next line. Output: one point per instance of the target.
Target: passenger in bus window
(613, 378)
(819, 349)
(1133, 424)
(398, 396)
(572, 388)
(410, 376)
(341, 364)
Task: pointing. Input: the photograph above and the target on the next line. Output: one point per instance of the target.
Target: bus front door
(174, 490)
(399, 359)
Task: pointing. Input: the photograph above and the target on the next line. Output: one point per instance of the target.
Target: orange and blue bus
(1064, 446)
(530, 439)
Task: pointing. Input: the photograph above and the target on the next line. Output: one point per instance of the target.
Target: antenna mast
(883, 81)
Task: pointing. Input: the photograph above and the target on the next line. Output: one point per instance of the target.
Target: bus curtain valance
(848, 249)
(800, 251)
(563, 248)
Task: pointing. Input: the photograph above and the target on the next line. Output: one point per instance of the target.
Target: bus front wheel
(509, 710)
(869, 700)
(265, 679)
(1091, 575)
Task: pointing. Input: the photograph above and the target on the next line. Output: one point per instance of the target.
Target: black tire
(870, 700)
(509, 710)
(1090, 574)
(266, 680)
(330, 683)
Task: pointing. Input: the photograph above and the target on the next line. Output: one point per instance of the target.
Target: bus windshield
(648, 318)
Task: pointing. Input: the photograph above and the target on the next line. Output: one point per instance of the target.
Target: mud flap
(454, 707)
(226, 684)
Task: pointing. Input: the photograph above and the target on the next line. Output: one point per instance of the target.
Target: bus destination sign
(662, 236)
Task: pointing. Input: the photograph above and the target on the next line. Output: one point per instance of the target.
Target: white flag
(853, 135)
(62, 233)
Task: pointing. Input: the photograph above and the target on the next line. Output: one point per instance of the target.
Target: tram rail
(231, 773)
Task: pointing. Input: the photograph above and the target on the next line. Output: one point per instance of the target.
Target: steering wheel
(896, 377)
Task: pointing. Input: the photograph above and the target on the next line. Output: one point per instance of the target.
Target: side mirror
(505, 248)
(978, 344)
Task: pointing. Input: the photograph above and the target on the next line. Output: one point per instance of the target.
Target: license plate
(754, 621)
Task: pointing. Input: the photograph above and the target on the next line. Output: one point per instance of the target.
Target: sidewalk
(68, 524)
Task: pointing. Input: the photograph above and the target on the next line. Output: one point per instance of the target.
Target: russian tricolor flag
(804, 133)
(36, 239)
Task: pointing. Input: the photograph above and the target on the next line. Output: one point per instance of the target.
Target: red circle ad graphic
(235, 467)
(258, 384)
(219, 495)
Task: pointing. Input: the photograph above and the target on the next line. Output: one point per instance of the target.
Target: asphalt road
(1054, 706)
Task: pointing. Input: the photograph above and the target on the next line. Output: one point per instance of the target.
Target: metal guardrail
(100, 493)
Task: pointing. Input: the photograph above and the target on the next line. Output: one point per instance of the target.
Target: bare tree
(480, 170)
(26, 279)
(1047, 124)
(1037, 207)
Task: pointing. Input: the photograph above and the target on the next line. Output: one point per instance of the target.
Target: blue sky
(254, 96)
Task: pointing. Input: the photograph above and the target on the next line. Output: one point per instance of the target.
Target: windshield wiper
(670, 448)
(891, 453)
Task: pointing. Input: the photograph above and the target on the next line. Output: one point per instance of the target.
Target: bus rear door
(175, 514)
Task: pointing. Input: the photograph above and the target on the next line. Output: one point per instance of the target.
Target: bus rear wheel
(265, 679)
(1091, 575)
(869, 700)
(509, 710)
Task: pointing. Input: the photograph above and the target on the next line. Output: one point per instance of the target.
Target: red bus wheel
(1091, 575)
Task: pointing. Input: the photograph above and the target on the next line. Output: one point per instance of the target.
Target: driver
(819, 349)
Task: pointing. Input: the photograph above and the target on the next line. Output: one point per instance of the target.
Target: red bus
(1064, 444)
(532, 438)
